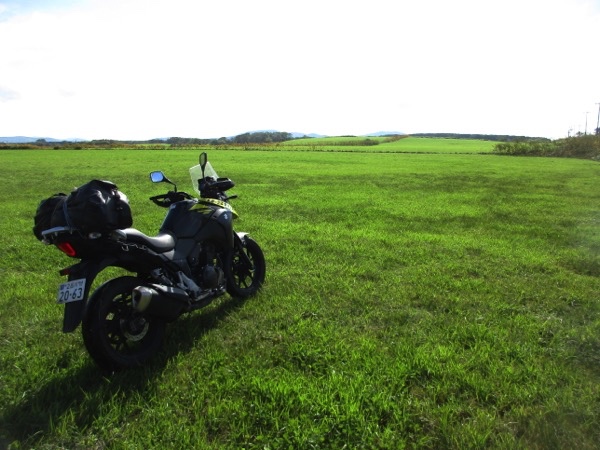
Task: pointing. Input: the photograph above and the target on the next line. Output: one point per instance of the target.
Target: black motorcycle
(196, 257)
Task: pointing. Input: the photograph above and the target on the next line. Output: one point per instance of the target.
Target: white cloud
(133, 69)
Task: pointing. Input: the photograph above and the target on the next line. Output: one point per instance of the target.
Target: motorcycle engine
(212, 276)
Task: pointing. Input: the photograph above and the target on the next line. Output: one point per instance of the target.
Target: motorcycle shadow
(82, 394)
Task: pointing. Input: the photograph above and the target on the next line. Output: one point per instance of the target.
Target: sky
(145, 69)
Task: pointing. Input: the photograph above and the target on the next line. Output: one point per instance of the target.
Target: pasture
(388, 145)
(442, 300)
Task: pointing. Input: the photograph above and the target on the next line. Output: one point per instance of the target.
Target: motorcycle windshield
(196, 175)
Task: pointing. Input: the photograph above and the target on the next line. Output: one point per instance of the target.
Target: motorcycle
(195, 258)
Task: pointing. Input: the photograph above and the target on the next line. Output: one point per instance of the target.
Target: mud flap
(87, 269)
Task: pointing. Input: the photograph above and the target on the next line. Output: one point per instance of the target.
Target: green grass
(412, 300)
(404, 145)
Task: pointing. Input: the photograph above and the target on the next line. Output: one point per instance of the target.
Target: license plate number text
(71, 291)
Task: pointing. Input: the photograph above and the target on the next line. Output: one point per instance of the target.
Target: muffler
(141, 297)
(165, 302)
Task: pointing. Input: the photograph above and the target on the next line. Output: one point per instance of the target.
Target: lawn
(412, 301)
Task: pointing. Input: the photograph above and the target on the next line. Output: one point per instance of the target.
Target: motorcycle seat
(162, 243)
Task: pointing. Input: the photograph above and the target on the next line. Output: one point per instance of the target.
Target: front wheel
(116, 335)
(245, 273)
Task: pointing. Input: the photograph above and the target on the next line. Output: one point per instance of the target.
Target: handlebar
(166, 200)
(211, 185)
(208, 187)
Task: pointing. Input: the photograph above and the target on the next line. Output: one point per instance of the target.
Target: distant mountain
(294, 134)
(385, 133)
(29, 140)
(21, 139)
(310, 135)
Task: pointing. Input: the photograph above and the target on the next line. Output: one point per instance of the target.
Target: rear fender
(88, 269)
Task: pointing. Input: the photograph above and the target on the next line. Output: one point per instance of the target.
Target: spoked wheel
(246, 273)
(115, 335)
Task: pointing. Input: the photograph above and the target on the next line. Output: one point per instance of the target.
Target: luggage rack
(52, 233)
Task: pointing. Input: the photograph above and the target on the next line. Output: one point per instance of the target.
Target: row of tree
(259, 137)
(584, 146)
(483, 137)
(262, 137)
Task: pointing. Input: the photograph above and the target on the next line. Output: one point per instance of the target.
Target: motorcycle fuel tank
(182, 221)
(201, 220)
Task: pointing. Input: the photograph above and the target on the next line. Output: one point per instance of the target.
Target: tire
(245, 273)
(116, 336)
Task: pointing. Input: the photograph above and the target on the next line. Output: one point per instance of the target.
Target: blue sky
(140, 69)
(9, 9)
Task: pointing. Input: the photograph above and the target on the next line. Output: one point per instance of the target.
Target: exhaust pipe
(161, 301)
(141, 297)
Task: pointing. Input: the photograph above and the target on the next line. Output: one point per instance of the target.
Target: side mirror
(203, 161)
(157, 177)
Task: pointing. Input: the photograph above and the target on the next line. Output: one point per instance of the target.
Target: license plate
(71, 291)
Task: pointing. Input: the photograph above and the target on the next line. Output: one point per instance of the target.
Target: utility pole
(586, 114)
(598, 121)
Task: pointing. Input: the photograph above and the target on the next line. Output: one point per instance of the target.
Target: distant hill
(30, 140)
(295, 134)
(22, 139)
(386, 133)
(310, 135)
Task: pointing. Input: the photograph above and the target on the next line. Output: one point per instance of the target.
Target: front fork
(239, 239)
(88, 269)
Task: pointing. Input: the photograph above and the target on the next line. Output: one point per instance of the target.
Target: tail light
(67, 248)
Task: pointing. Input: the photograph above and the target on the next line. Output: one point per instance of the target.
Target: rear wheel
(246, 273)
(116, 335)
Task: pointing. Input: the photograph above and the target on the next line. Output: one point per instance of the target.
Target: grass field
(385, 145)
(412, 301)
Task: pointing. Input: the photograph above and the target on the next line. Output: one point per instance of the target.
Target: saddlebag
(43, 216)
(97, 206)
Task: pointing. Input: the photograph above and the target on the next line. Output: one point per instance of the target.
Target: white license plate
(71, 291)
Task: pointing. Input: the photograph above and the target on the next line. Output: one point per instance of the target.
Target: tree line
(483, 137)
(259, 137)
(584, 146)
